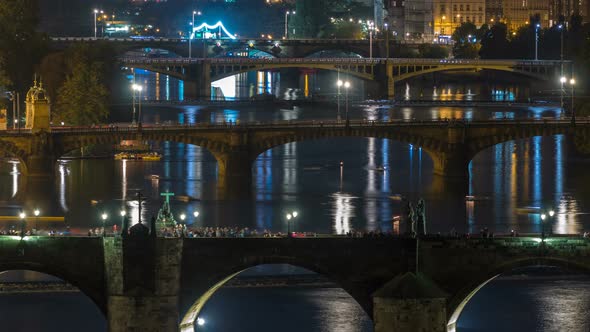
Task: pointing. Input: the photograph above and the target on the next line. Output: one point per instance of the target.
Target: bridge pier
(199, 87)
(39, 166)
(143, 282)
(410, 303)
(234, 177)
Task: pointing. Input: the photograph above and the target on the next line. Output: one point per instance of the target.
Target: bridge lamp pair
(290, 216)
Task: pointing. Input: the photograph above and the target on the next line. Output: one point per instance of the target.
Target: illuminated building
(517, 13)
(411, 19)
(448, 15)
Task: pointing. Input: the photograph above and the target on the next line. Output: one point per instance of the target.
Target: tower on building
(38, 108)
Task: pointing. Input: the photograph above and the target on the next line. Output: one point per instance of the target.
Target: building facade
(449, 14)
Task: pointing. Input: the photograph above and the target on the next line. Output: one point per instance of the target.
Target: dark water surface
(512, 183)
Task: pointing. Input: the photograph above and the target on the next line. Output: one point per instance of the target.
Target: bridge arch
(96, 295)
(13, 151)
(402, 76)
(362, 72)
(431, 146)
(459, 300)
(221, 277)
(335, 53)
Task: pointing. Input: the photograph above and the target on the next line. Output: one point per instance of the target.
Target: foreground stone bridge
(403, 284)
(451, 145)
(198, 74)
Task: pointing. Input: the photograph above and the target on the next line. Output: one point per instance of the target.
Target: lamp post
(36, 213)
(537, 26)
(96, 11)
(346, 87)
(573, 83)
(562, 81)
(104, 218)
(290, 216)
(22, 215)
(138, 88)
(339, 84)
(190, 36)
(371, 26)
(123, 213)
(544, 216)
(287, 13)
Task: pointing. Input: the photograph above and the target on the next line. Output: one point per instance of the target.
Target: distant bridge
(450, 144)
(279, 48)
(199, 73)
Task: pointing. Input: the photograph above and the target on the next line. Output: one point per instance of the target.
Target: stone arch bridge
(198, 74)
(451, 145)
(403, 284)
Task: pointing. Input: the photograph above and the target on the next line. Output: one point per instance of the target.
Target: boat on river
(146, 156)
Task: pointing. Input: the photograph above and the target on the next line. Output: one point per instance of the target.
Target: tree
(494, 43)
(83, 98)
(433, 51)
(21, 46)
(465, 38)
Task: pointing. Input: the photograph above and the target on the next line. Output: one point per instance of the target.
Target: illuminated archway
(196, 315)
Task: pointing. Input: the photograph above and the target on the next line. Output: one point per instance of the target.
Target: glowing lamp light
(347, 84)
(563, 79)
(572, 81)
(200, 321)
(213, 27)
(551, 213)
(182, 216)
(543, 216)
(36, 212)
(123, 213)
(104, 216)
(295, 213)
(196, 214)
(340, 83)
(289, 216)
(22, 215)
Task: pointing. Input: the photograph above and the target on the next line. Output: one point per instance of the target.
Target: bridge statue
(411, 219)
(165, 216)
(421, 216)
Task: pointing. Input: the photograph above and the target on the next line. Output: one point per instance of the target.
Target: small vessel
(185, 198)
(147, 156)
(396, 197)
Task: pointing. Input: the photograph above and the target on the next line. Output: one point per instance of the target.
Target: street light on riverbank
(22, 215)
(137, 88)
(104, 217)
(36, 213)
(346, 87)
(290, 216)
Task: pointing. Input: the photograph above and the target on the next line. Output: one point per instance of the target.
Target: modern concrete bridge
(450, 144)
(198, 74)
(143, 283)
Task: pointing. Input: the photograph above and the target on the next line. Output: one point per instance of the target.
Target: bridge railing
(289, 124)
(346, 61)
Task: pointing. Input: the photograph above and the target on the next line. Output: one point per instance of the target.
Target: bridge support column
(234, 179)
(390, 81)
(199, 87)
(454, 164)
(39, 165)
(143, 281)
(410, 303)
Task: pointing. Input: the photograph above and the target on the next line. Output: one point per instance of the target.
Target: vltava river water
(511, 182)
